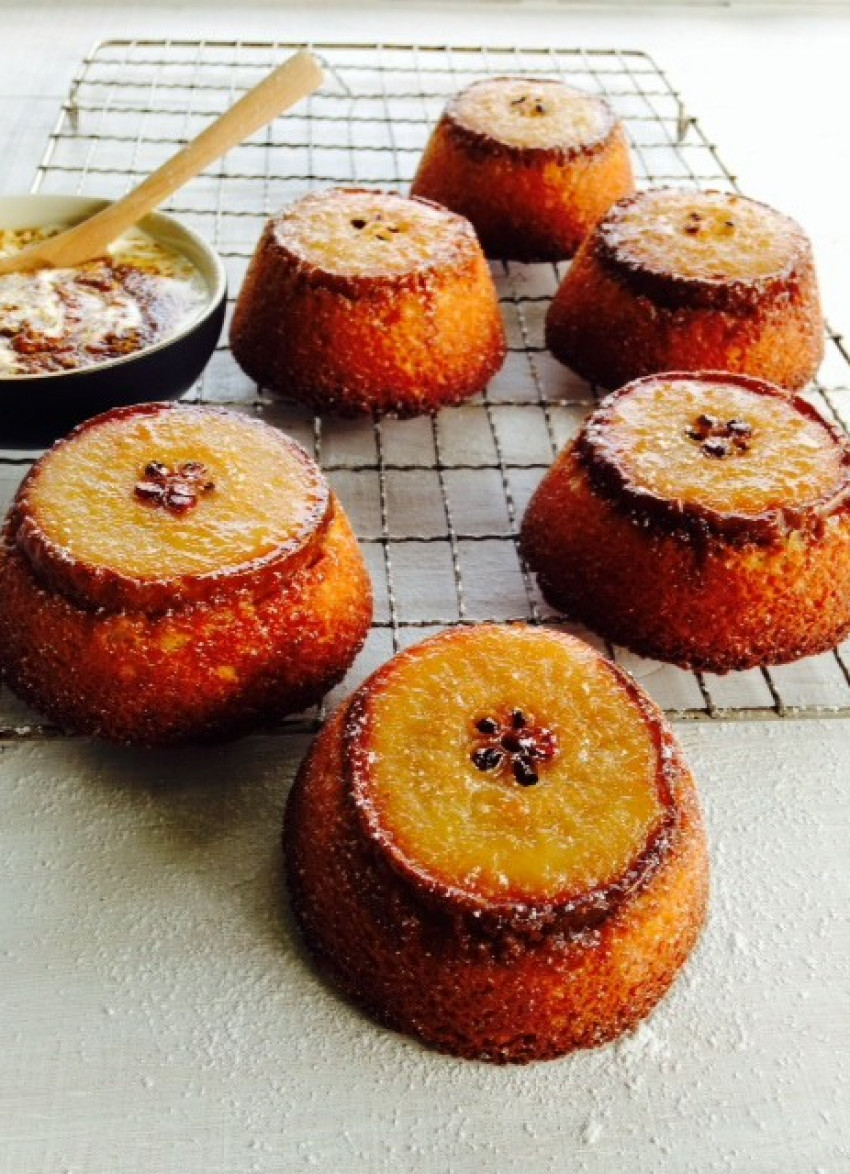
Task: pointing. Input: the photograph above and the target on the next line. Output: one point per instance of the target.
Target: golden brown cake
(531, 162)
(688, 281)
(496, 846)
(173, 572)
(360, 301)
(700, 518)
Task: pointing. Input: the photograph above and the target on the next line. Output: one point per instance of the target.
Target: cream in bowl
(62, 319)
(136, 324)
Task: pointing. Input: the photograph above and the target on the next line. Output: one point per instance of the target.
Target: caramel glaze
(475, 918)
(482, 145)
(701, 524)
(99, 588)
(306, 277)
(461, 250)
(674, 291)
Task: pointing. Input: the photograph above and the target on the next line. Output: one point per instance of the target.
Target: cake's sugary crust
(676, 580)
(360, 301)
(682, 280)
(196, 672)
(504, 985)
(531, 162)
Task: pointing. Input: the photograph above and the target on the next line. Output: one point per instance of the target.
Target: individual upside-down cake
(175, 572)
(360, 301)
(495, 845)
(533, 163)
(700, 518)
(686, 281)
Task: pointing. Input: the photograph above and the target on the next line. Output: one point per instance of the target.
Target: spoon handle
(295, 79)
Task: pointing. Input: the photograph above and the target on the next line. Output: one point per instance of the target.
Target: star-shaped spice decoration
(695, 222)
(720, 438)
(176, 489)
(516, 743)
(528, 104)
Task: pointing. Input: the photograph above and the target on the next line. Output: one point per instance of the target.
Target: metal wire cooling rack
(436, 502)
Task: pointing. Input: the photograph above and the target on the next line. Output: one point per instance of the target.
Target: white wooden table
(156, 1011)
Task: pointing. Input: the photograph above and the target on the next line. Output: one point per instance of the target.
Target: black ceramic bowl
(36, 409)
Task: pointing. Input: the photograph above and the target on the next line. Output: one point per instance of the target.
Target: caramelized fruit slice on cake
(533, 112)
(157, 504)
(734, 454)
(507, 768)
(712, 237)
(370, 234)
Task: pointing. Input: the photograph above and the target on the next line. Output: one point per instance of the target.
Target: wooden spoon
(295, 79)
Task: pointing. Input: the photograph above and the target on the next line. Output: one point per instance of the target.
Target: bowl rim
(155, 223)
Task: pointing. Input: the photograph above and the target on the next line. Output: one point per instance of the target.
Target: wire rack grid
(436, 501)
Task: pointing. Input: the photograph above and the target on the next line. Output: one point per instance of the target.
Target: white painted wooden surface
(156, 1013)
